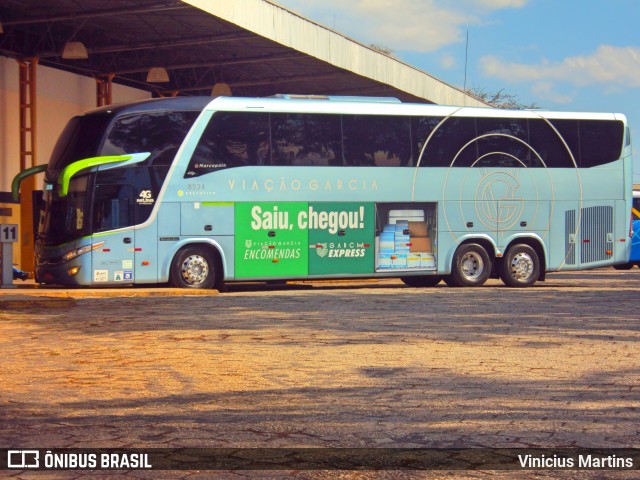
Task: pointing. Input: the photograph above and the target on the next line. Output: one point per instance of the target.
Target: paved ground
(367, 364)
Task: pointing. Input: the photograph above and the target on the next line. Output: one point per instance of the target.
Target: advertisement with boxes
(301, 239)
(404, 237)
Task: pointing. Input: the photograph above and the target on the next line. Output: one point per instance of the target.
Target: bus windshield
(66, 218)
(97, 195)
(80, 139)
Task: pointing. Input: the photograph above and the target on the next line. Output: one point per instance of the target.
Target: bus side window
(593, 142)
(160, 133)
(231, 139)
(376, 140)
(113, 207)
(502, 142)
(570, 132)
(452, 144)
(421, 129)
(549, 146)
(126, 196)
(601, 142)
(306, 139)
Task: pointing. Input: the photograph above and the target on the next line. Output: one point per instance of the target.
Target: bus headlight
(73, 271)
(71, 254)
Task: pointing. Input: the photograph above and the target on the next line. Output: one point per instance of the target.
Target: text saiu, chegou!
(331, 221)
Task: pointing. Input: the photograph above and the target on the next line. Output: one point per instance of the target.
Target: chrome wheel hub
(472, 265)
(521, 266)
(194, 270)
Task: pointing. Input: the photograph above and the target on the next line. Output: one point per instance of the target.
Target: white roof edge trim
(290, 29)
(241, 104)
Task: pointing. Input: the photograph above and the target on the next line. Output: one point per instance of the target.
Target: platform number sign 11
(8, 233)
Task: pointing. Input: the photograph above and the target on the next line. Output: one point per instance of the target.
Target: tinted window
(113, 207)
(452, 144)
(231, 139)
(570, 132)
(421, 128)
(126, 196)
(372, 140)
(593, 142)
(503, 142)
(306, 139)
(80, 139)
(67, 217)
(600, 142)
(547, 144)
(160, 133)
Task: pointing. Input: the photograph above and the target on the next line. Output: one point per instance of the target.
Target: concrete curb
(31, 293)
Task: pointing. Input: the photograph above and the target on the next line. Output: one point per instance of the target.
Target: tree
(500, 99)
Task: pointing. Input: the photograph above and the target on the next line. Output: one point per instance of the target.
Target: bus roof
(376, 105)
(336, 104)
(155, 104)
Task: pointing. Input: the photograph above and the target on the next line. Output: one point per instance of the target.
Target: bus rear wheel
(422, 280)
(471, 266)
(520, 266)
(193, 267)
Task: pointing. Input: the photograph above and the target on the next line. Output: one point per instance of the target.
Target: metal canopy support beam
(159, 7)
(104, 87)
(208, 40)
(222, 63)
(269, 81)
(27, 86)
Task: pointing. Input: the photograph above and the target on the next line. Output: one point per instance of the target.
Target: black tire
(520, 266)
(448, 279)
(422, 280)
(471, 266)
(624, 266)
(193, 267)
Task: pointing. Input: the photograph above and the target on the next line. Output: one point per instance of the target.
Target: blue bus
(635, 243)
(197, 192)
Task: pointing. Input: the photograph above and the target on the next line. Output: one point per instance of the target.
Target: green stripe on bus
(217, 204)
(70, 170)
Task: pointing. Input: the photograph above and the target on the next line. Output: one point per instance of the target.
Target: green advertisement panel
(341, 238)
(270, 241)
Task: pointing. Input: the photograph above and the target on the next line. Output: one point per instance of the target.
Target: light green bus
(198, 192)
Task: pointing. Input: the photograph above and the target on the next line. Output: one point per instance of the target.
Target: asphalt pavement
(366, 364)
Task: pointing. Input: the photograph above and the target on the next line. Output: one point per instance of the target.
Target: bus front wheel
(471, 266)
(520, 266)
(193, 267)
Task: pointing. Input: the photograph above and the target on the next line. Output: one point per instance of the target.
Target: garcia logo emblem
(496, 201)
(322, 249)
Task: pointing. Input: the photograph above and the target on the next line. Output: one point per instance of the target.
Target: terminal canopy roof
(255, 46)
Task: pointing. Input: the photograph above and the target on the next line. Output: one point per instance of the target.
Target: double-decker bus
(199, 191)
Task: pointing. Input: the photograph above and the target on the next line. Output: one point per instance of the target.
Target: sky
(566, 55)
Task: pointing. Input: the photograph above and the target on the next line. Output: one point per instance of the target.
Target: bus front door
(113, 222)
